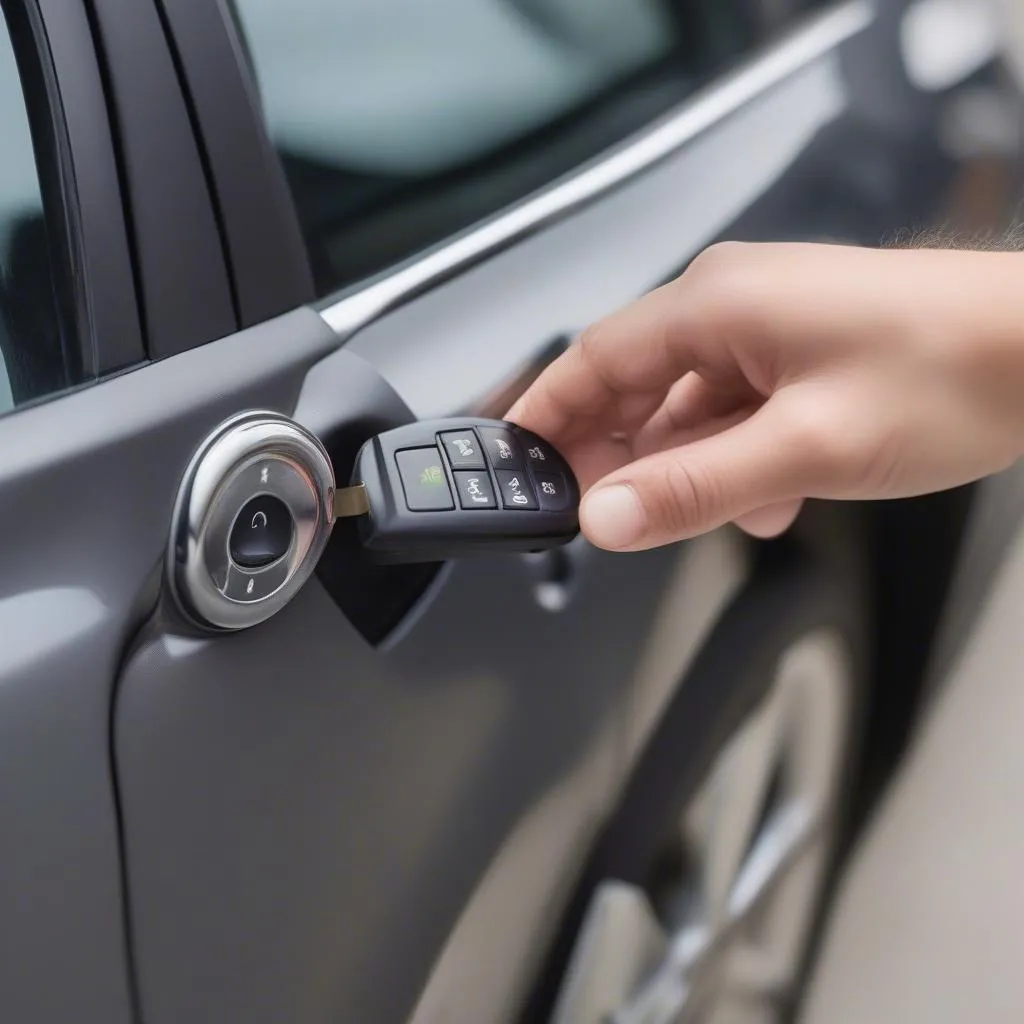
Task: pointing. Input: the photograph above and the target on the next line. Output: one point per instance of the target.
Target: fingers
(759, 311)
(694, 408)
(688, 490)
(692, 375)
(614, 376)
(716, 319)
(771, 520)
(595, 458)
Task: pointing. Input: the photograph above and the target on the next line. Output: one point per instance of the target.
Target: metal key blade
(351, 501)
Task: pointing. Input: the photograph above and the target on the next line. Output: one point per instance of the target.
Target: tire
(746, 780)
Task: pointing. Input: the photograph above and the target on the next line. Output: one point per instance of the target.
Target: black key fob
(443, 489)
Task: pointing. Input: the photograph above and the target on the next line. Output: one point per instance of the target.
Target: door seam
(204, 158)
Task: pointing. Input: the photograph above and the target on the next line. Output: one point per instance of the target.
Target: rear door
(374, 804)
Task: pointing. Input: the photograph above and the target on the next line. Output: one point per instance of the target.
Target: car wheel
(707, 888)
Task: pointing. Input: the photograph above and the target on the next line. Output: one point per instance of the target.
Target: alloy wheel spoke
(735, 797)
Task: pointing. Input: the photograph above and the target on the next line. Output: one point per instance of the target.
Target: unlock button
(262, 532)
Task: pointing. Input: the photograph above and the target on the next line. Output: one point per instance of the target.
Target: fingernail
(613, 517)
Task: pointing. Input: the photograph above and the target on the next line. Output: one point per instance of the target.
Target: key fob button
(552, 490)
(463, 448)
(540, 454)
(423, 479)
(262, 532)
(475, 490)
(502, 448)
(516, 492)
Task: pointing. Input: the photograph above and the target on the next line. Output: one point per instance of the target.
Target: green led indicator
(432, 475)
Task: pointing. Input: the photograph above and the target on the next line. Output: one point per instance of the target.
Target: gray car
(570, 786)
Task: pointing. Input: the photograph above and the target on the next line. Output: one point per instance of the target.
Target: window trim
(358, 306)
(264, 248)
(96, 299)
(185, 293)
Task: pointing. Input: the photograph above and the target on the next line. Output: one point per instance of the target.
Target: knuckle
(717, 258)
(590, 338)
(593, 343)
(683, 499)
(623, 369)
(723, 298)
(834, 446)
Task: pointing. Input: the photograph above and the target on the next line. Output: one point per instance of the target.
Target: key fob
(443, 489)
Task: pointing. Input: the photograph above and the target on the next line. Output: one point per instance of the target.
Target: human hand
(767, 374)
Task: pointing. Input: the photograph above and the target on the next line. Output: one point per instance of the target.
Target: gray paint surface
(302, 809)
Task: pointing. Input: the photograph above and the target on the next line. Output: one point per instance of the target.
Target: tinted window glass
(32, 351)
(401, 122)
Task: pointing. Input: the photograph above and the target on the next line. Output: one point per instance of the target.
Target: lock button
(262, 532)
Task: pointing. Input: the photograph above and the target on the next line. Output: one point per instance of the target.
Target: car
(565, 786)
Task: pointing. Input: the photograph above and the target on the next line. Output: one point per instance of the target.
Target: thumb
(689, 490)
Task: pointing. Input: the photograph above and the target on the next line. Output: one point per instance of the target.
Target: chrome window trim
(692, 118)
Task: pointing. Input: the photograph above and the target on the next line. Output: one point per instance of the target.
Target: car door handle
(556, 573)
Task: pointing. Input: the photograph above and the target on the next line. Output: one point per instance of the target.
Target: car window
(402, 122)
(32, 351)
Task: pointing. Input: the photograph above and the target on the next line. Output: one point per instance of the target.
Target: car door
(375, 803)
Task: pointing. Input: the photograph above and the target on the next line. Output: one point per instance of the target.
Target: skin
(767, 374)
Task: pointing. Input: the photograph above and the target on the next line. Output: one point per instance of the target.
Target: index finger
(613, 377)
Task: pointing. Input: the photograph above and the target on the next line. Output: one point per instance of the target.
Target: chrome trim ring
(250, 454)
